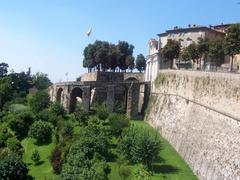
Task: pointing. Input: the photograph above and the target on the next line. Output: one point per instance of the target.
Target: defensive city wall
(199, 114)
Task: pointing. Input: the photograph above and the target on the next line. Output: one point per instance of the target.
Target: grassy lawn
(169, 165)
(44, 169)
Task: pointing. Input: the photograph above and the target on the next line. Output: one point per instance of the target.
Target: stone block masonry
(199, 113)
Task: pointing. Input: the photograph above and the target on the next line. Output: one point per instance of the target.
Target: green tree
(41, 131)
(139, 145)
(184, 55)
(67, 128)
(102, 111)
(6, 91)
(56, 160)
(113, 57)
(39, 101)
(4, 136)
(58, 109)
(3, 69)
(20, 123)
(35, 157)
(171, 51)
(124, 50)
(216, 51)
(89, 57)
(81, 115)
(193, 51)
(41, 81)
(203, 47)
(140, 63)
(142, 173)
(118, 122)
(21, 82)
(12, 167)
(232, 42)
(85, 159)
(14, 145)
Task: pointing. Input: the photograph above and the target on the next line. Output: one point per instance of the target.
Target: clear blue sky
(49, 35)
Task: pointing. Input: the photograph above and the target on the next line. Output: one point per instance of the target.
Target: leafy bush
(89, 143)
(41, 131)
(56, 160)
(102, 111)
(14, 145)
(48, 116)
(12, 167)
(101, 170)
(142, 172)
(41, 81)
(67, 130)
(80, 167)
(81, 115)
(4, 135)
(118, 122)
(39, 101)
(139, 145)
(35, 156)
(20, 123)
(124, 172)
(58, 109)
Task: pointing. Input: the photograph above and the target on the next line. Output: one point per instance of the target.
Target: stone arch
(76, 92)
(59, 95)
(131, 79)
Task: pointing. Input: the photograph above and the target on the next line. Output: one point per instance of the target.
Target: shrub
(140, 145)
(67, 130)
(91, 142)
(12, 167)
(124, 172)
(21, 122)
(100, 170)
(102, 111)
(4, 135)
(56, 160)
(39, 101)
(142, 172)
(48, 116)
(14, 145)
(118, 122)
(41, 131)
(80, 167)
(35, 156)
(81, 115)
(58, 109)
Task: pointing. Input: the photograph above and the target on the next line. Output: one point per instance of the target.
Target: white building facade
(152, 61)
(185, 36)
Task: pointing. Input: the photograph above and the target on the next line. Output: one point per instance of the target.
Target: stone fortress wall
(122, 92)
(199, 114)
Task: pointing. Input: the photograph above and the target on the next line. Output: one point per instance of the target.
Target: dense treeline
(83, 144)
(105, 56)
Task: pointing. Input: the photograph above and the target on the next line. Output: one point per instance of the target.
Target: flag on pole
(89, 32)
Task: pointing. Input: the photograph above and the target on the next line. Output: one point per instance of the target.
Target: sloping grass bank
(169, 165)
(43, 170)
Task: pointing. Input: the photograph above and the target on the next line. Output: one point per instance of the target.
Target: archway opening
(131, 79)
(76, 95)
(59, 95)
(120, 103)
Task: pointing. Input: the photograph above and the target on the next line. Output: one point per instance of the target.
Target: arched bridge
(128, 95)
